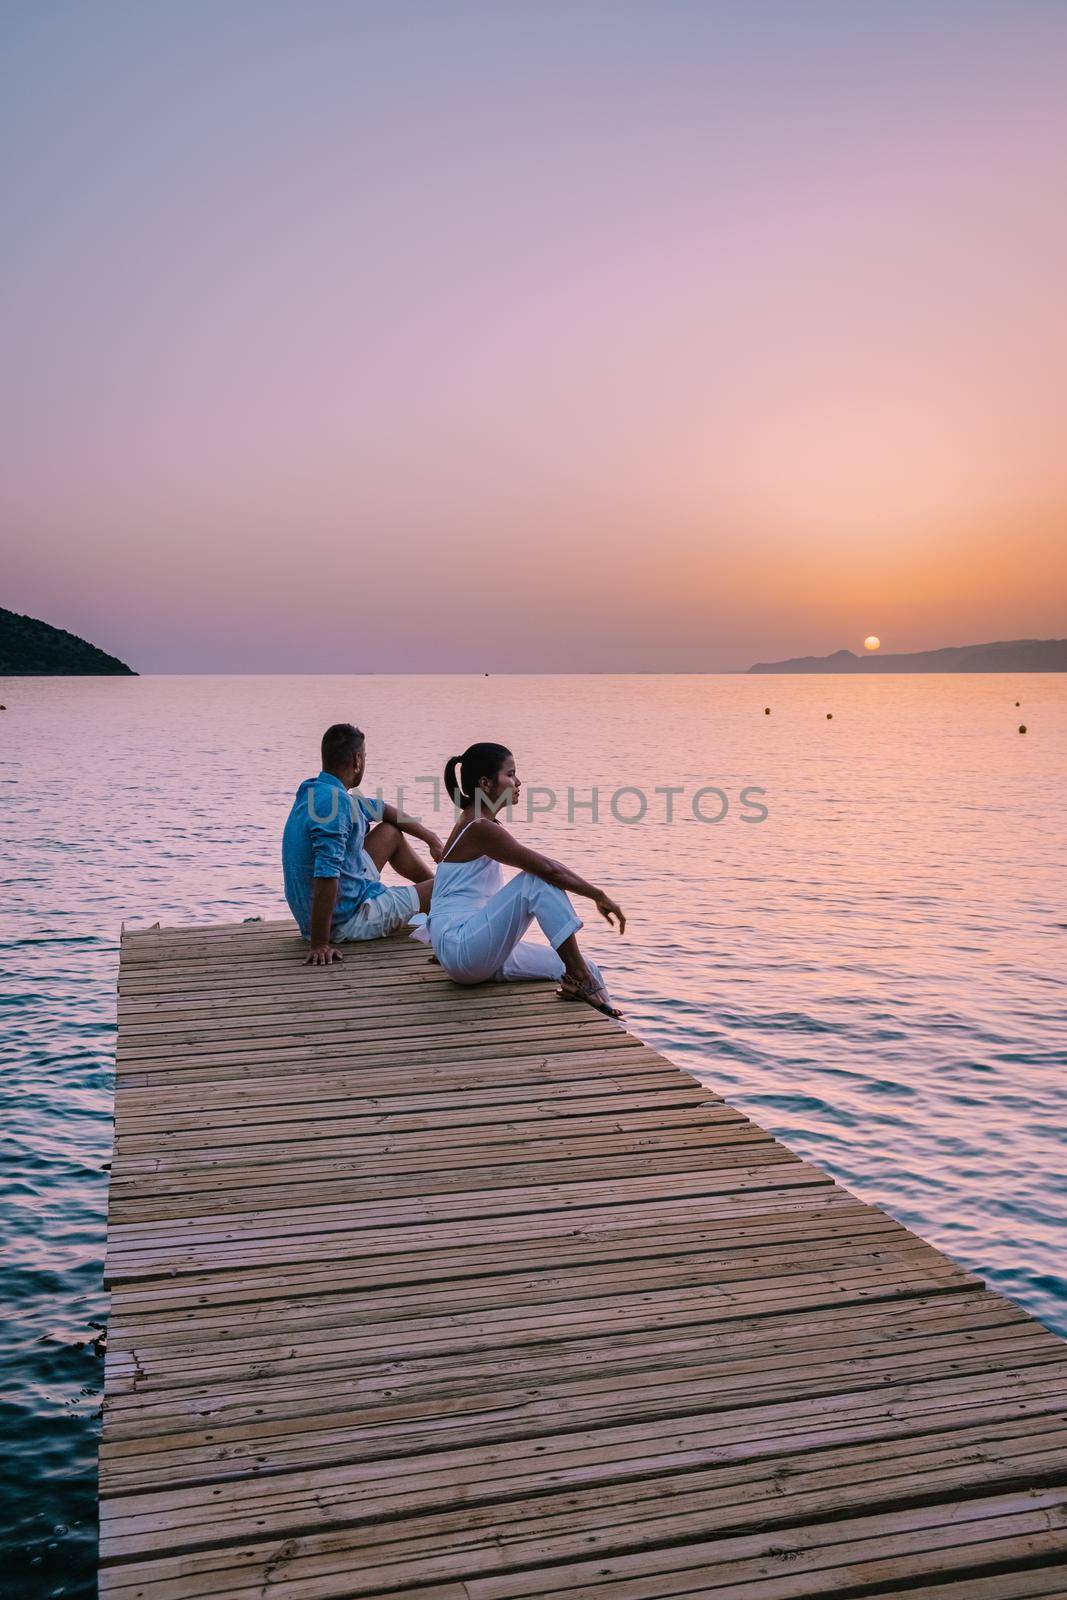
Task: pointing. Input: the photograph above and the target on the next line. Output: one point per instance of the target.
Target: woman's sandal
(594, 994)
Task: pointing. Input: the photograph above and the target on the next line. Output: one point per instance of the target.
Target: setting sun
(871, 642)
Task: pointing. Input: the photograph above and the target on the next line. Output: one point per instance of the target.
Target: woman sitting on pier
(477, 921)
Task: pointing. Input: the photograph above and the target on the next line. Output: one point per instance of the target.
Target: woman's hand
(609, 910)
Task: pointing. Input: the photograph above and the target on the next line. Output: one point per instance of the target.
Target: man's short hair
(340, 743)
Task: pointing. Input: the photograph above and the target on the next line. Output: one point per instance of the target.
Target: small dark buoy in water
(1016, 702)
(766, 711)
(829, 716)
(1022, 727)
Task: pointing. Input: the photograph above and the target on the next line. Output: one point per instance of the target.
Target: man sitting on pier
(332, 863)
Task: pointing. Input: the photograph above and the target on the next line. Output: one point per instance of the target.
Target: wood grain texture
(462, 1294)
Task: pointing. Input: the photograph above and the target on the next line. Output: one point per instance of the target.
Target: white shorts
(382, 915)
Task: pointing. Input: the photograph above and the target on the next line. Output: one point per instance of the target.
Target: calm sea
(877, 971)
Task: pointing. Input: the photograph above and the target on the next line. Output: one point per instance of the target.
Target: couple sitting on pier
(335, 847)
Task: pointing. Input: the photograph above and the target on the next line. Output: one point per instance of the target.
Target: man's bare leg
(387, 846)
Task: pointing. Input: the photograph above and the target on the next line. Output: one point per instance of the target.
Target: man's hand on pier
(322, 955)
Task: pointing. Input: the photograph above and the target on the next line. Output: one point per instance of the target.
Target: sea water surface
(876, 971)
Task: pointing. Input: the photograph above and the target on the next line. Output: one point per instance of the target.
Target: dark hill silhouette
(33, 649)
(1009, 655)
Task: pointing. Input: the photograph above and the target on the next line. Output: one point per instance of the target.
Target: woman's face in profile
(506, 786)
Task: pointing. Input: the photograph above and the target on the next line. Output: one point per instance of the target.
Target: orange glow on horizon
(827, 371)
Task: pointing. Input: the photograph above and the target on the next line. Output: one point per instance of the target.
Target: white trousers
(489, 942)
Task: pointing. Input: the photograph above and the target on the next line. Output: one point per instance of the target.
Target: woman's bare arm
(490, 839)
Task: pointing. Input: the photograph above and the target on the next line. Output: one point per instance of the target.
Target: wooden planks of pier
(467, 1294)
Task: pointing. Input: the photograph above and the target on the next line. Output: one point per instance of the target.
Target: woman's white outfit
(477, 922)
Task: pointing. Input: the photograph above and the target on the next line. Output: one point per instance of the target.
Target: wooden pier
(465, 1294)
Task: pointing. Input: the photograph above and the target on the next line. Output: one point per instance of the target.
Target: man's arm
(323, 900)
(329, 827)
(414, 829)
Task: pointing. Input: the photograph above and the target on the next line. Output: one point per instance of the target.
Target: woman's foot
(594, 994)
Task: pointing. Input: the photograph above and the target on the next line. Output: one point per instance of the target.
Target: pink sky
(347, 337)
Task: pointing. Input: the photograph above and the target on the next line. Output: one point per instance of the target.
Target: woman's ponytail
(453, 788)
(464, 773)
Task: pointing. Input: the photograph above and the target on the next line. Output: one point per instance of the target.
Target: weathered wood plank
(464, 1294)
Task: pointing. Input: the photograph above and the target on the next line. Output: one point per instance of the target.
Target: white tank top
(460, 887)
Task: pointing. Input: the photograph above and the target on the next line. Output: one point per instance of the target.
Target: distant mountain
(1010, 655)
(32, 649)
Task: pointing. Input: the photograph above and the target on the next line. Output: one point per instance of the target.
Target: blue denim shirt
(323, 838)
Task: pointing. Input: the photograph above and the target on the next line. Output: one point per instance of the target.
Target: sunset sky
(533, 336)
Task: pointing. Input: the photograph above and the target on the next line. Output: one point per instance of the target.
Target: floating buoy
(766, 711)
(1022, 727)
(3, 708)
(1016, 702)
(829, 716)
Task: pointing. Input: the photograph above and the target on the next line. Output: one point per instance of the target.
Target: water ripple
(875, 973)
